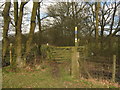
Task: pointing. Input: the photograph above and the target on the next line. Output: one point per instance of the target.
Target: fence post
(114, 68)
(75, 63)
(75, 58)
(10, 53)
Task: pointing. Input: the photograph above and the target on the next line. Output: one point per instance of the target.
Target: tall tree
(38, 17)
(5, 28)
(18, 50)
(39, 25)
(113, 18)
(117, 29)
(97, 7)
(15, 14)
(32, 27)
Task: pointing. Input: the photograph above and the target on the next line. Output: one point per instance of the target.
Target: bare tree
(97, 7)
(32, 27)
(18, 50)
(6, 28)
(15, 14)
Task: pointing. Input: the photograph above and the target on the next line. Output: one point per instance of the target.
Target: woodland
(28, 35)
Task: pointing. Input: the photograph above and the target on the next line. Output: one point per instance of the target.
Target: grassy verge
(42, 78)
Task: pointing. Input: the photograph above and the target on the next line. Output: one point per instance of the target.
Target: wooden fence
(71, 53)
(80, 63)
(62, 53)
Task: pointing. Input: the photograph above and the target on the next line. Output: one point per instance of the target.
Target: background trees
(68, 15)
(56, 27)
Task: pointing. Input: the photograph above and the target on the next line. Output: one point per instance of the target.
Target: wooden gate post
(10, 53)
(75, 63)
(75, 58)
(114, 68)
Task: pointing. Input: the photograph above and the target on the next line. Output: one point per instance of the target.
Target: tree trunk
(97, 5)
(102, 33)
(15, 14)
(102, 37)
(18, 49)
(32, 28)
(38, 17)
(5, 28)
(40, 33)
(113, 18)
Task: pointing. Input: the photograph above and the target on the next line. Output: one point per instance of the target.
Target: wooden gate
(62, 53)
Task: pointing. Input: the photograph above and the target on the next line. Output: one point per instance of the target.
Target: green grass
(44, 79)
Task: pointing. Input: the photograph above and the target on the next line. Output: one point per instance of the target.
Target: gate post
(76, 39)
(10, 53)
(75, 58)
(75, 63)
(114, 68)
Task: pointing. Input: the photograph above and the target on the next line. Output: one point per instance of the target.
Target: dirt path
(55, 71)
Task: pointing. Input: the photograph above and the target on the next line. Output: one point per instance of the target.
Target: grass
(42, 78)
